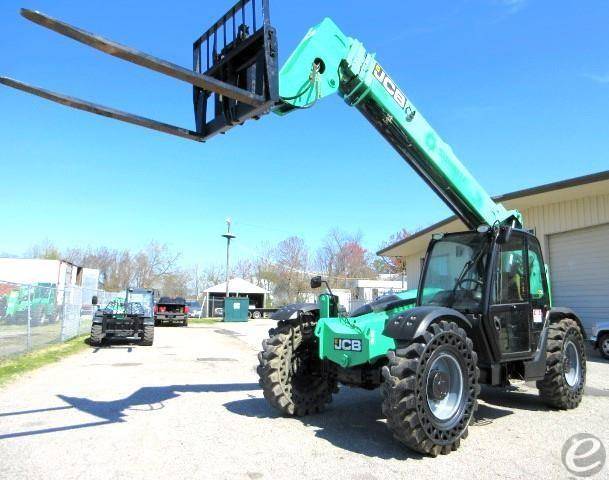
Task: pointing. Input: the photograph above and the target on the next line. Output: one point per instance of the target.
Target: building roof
(236, 285)
(578, 186)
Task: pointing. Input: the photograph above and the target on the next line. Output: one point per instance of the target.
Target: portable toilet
(236, 309)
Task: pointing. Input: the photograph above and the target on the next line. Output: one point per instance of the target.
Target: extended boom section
(339, 64)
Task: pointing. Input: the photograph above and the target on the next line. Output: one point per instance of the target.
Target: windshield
(139, 303)
(116, 306)
(455, 272)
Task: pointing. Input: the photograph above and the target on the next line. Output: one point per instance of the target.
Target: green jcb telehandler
(483, 312)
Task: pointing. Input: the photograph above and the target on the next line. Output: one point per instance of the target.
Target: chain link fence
(36, 315)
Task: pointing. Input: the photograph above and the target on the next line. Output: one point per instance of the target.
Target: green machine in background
(40, 299)
(236, 309)
(482, 312)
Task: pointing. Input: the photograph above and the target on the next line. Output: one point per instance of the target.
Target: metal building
(571, 220)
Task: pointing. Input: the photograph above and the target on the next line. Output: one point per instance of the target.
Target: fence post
(80, 312)
(29, 317)
(63, 317)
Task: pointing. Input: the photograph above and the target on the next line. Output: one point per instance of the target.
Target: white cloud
(598, 78)
(513, 6)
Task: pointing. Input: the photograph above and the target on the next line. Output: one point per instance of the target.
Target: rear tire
(430, 389)
(256, 315)
(290, 370)
(96, 335)
(603, 346)
(563, 385)
(148, 338)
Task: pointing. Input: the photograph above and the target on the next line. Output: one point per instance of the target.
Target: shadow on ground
(114, 411)
(513, 397)
(596, 358)
(354, 422)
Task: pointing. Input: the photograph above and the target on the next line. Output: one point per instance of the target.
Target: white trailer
(53, 273)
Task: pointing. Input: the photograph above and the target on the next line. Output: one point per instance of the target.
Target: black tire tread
(96, 335)
(554, 389)
(148, 338)
(288, 336)
(400, 391)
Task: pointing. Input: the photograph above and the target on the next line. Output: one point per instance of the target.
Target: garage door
(579, 269)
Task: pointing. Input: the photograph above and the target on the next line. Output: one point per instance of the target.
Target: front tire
(563, 385)
(96, 335)
(290, 370)
(148, 338)
(430, 389)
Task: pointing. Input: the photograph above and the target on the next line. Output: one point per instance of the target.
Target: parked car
(600, 338)
(219, 312)
(171, 310)
(194, 308)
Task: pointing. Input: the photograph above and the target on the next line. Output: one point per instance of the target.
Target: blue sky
(519, 88)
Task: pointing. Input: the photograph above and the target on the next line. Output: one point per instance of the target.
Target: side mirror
(505, 233)
(316, 282)
(94, 300)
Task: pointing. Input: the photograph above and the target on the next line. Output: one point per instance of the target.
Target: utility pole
(229, 236)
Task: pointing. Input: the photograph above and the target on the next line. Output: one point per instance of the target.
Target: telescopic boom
(328, 62)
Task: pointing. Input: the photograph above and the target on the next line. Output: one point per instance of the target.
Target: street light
(229, 236)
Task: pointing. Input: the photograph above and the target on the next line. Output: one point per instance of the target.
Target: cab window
(537, 272)
(509, 285)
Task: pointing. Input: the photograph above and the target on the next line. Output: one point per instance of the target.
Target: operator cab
(493, 276)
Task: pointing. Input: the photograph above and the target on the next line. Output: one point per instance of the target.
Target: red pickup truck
(172, 311)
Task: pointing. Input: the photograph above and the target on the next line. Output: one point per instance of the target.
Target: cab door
(538, 289)
(510, 315)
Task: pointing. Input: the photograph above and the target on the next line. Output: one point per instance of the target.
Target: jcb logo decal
(348, 344)
(394, 91)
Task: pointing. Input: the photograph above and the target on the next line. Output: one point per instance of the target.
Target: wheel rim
(444, 387)
(605, 346)
(572, 367)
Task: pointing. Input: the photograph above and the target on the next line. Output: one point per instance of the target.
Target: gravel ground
(190, 407)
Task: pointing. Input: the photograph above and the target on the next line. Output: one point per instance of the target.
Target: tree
(391, 264)
(213, 275)
(175, 284)
(151, 265)
(45, 250)
(244, 269)
(155, 266)
(291, 261)
(343, 256)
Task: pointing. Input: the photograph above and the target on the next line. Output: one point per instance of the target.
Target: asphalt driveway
(190, 407)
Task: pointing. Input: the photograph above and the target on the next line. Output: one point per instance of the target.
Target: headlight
(294, 316)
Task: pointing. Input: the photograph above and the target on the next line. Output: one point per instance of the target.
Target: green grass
(203, 321)
(12, 368)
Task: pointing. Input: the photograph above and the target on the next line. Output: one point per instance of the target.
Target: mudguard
(290, 312)
(557, 313)
(413, 323)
